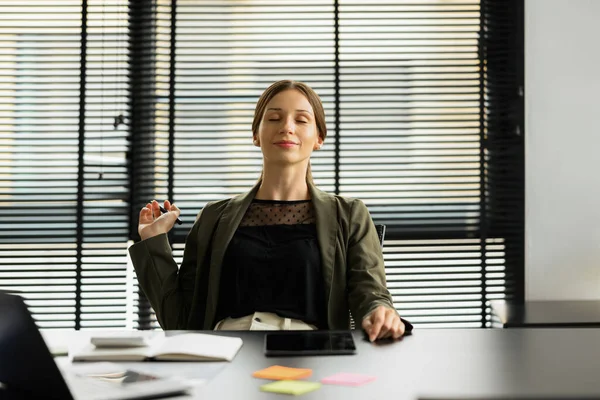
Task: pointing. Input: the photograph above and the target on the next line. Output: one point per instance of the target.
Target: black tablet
(309, 343)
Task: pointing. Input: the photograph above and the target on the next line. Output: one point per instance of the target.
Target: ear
(319, 143)
(256, 142)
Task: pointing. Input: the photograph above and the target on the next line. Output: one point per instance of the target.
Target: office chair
(380, 232)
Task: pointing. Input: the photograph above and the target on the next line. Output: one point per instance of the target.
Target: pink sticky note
(348, 379)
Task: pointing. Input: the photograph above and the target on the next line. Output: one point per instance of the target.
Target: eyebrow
(279, 109)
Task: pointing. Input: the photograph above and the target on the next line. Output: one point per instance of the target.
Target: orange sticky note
(277, 372)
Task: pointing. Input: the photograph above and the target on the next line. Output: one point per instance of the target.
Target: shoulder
(213, 208)
(216, 206)
(346, 205)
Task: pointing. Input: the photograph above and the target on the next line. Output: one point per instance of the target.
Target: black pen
(162, 209)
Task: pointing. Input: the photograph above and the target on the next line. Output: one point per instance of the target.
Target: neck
(283, 183)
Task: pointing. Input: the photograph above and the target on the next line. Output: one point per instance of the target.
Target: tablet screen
(309, 343)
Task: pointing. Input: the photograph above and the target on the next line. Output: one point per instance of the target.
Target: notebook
(184, 347)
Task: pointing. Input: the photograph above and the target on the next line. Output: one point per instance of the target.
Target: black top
(273, 264)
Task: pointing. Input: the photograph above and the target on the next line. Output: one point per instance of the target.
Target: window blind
(39, 100)
(227, 53)
(151, 105)
(105, 295)
(422, 105)
(106, 105)
(63, 171)
(409, 147)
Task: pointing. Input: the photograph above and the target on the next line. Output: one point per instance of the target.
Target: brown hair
(311, 96)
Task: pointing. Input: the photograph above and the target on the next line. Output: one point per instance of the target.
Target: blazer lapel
(227, 225)
(326, 221)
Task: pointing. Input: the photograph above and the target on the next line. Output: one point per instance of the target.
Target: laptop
(28, 371)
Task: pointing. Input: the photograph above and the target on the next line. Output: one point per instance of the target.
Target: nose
(288, 125)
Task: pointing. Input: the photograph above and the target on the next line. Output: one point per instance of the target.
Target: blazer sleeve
(168, 288)
(365, 269)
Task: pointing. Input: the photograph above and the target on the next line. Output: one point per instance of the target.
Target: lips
(285, 144)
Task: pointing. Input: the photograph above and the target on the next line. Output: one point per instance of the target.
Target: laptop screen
(27, 369)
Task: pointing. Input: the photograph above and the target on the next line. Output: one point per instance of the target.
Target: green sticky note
(290, 387)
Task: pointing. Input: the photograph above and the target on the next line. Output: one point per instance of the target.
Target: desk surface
(584, 313)
(451, 363)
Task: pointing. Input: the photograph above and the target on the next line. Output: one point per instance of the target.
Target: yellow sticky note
(290, 387)
(277, 372)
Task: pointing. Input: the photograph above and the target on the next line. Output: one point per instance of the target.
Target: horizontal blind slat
(40, 63)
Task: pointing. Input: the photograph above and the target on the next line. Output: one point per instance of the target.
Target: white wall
(562, 139)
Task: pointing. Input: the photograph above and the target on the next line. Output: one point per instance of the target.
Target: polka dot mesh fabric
(267, 212)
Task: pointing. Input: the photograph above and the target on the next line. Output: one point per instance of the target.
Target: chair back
(380, 232)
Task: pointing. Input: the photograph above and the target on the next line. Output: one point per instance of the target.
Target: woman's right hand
(153, 222)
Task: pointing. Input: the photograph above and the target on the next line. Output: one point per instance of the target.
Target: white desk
(452, 363)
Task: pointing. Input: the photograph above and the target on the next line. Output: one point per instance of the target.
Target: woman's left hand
(383, 322)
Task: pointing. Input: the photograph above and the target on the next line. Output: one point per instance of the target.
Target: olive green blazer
(186, 297)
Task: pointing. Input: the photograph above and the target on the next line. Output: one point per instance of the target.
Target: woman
(284, 255)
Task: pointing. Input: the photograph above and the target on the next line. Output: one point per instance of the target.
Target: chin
(284, 161)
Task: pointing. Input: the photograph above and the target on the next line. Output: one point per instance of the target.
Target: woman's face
(287, 133)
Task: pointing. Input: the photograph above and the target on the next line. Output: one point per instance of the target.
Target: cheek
(261, 131)
(310, 133)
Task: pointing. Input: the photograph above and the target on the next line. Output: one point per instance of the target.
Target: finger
(367, 326)
(388, 325)
(172, 215)
(395, 330)
(368, 329)
(155, 209)
(145, 215)
(171, 208)
(399, 329)
(377, 319)
(175, 209)
(149, 208)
